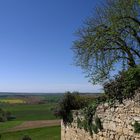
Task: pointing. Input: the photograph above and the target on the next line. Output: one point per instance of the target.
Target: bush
(123, 86)
(4, 116)
(70, 101)
(3, 119)
(114, 89)
(131, 82)
(26, 137)
(11, 117)
(101, 99)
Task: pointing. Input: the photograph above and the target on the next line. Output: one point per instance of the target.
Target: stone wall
(117, 123)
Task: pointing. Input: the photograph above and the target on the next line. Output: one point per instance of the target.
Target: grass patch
(25, 112)
(4, 126)
(46, 133)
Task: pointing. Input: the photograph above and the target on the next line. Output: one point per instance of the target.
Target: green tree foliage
(110, 37)
(131, 81)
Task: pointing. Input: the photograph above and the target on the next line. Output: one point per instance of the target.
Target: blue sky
(35, 45)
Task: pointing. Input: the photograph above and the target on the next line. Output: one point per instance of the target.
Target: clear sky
(35, 45)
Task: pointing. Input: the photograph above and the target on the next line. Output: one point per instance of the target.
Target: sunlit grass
(4, 126)
(46, 133)
(26, 112)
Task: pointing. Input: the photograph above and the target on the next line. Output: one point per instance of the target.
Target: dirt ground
(35, 124)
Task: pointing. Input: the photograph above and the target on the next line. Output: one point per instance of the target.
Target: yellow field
(12, 101)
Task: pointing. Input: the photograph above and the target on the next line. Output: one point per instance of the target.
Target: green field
(46, 133)
(24, 112)
(29, 112)
(4, 126)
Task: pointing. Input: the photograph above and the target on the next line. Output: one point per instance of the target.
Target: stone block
(137, 110)
(130, 127)
(101, 138)
(116, 137)
(118, 120)
(112, 126)
(119, 129)
(126, 131)
(137, 118)
(112, 109)
(122, 138)
(112, 136)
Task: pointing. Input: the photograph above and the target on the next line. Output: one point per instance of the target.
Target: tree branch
(132, 18)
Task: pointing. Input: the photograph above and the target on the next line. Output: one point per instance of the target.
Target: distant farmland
(27, 109)
(12, 101)
(45, 133)
(25, 112)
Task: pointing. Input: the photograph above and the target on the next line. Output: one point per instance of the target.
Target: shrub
(4, 116)
(123, 86)
(101, 99)
(70, 101)
(131, 82)
(11, 117)
(114, 89)
(3, 119)
(26, 137)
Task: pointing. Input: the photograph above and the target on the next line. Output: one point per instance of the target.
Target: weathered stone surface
(137, 118)
(122, 138)
(112, 126)
(126, 131)
(119, 129)
(117, 123)
(116, 137)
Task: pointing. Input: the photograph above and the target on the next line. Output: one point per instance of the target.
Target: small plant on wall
(87, 123)
(98, 123)
(136, 127)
